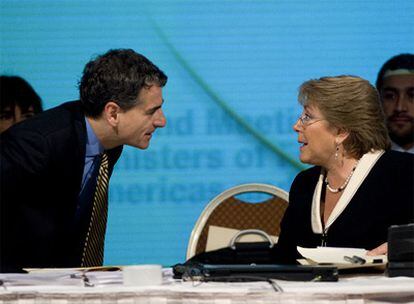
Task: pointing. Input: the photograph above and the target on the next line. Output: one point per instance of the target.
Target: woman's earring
(337, 152)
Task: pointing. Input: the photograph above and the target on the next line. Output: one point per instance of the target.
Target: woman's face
(316, 136)
(10, 116)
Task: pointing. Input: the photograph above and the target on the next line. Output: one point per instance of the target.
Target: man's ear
(111, 113)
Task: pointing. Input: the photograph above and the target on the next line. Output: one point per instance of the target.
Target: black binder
(245, 272)
(401, 250)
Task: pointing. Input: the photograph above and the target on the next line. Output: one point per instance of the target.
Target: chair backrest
(225, 210)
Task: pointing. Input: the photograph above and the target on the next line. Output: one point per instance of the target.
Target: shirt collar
(396, 147)
(93, 146)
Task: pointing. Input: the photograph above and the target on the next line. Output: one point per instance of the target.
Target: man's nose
(402, 103)
(161, 120)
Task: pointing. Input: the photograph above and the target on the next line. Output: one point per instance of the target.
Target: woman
(357, 187)
(18, 101)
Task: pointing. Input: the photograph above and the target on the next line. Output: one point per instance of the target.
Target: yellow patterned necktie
(93, 251)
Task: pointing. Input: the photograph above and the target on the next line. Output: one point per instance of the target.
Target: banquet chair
(231, 216)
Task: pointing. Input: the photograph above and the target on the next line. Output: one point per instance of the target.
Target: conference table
(107, 287)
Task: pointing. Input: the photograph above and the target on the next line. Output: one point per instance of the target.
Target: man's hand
(382, 249)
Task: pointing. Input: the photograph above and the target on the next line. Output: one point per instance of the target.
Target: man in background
(18, 101)
(395, 83)
(56, 166)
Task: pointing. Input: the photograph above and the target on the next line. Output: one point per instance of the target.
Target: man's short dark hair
(118, 76)
(401, 61)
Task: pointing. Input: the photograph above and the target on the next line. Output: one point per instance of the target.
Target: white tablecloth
(355, 289)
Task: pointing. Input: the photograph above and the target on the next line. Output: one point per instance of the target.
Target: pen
(355, 259)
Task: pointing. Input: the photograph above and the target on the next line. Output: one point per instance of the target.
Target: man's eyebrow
(390, 89)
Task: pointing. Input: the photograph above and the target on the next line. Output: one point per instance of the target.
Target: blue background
(234, 68)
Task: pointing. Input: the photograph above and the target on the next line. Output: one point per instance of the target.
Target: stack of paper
(340, 257)
(45, 278)
(87, 276)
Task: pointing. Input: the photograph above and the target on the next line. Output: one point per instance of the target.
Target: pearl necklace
(342, 187)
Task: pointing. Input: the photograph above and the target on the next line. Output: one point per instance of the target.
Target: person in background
(18, 101)
(395, 83)
(56, 166)
(357, 187)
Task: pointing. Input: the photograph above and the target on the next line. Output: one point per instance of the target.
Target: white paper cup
(142, 275)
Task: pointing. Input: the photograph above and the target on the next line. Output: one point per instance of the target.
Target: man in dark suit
(51, 163)
(395, 83)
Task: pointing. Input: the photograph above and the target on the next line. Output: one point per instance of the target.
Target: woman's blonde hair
(352, 104)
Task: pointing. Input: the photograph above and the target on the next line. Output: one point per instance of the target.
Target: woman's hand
(382, 249)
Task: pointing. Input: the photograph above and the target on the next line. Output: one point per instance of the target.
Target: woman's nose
(297, 126)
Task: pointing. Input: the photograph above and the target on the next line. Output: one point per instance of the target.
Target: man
(395, 83)
(55, 166)
(18, 101)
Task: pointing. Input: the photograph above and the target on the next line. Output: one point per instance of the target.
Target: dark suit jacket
(42, 162)
(385, 198)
